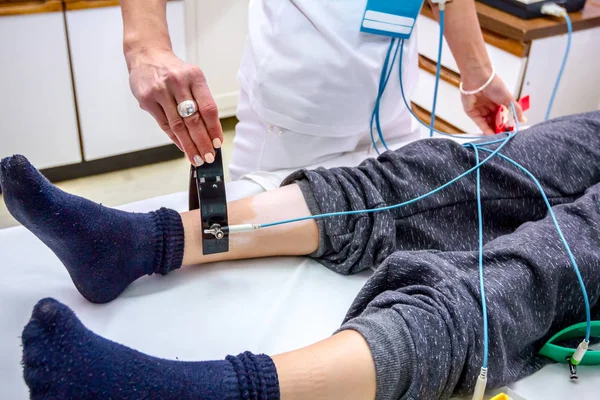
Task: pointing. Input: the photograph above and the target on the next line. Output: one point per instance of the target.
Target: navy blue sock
(103, 249)
(62, 359)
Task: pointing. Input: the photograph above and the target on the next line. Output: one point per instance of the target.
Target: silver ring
(187, 108)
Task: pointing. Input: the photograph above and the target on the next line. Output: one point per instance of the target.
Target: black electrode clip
(207, 192)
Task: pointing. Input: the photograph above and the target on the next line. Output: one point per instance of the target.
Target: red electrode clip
(505, 121)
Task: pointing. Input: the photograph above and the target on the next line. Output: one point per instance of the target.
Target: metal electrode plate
(207, 192)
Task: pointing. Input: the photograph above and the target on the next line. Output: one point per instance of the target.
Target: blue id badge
(394, 18)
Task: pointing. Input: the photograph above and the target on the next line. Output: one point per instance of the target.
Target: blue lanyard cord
(562, 67)
(437, 73)
(562, 238)
(383, 80)
(373, 137)
(406, 203)
(386, 73)
(480, 263)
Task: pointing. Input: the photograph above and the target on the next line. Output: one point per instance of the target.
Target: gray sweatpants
(421, 312)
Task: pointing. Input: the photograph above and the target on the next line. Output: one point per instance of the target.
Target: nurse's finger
(178, 127)
(195, 125)
(208, 110)
(520, 114)
(483, 125)
(159, 115)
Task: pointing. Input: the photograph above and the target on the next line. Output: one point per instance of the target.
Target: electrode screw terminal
(572, 370)
(216, 231)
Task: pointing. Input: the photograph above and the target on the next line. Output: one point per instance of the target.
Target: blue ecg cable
(383, 81)
(385, 75)
(480, 262)
(562, 66)
(408, 202)
(562, 238)
(437, 73)
(461, 136)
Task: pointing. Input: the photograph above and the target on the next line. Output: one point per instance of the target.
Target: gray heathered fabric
(420, 312)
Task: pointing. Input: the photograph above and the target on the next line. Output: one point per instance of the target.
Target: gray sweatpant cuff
(392, 349)
(299, 178)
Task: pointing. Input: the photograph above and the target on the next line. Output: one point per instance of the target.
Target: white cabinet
(111, 121)
(579, 89)
(37, 110)
(216, 32)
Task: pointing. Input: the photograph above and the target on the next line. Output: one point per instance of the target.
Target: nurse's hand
(481, 107)
(160, 81)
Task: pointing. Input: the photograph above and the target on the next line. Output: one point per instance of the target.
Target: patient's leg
(421, 311)
(564, 154)
(105, 249)
(284, 203)
(64, 360)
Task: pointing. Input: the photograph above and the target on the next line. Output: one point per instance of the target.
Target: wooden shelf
(514, 35)
(29, 7)
(445, 74)
(86, 4)
(523, 30)
(518, 48)
(440, 124)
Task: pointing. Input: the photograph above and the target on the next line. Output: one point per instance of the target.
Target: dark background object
(527, 11)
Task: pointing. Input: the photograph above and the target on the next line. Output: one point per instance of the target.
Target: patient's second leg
(103, 249)
(64, 360)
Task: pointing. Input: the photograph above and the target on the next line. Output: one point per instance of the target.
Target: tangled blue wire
(395, 51)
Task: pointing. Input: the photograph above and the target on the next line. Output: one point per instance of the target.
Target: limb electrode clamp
(207, 193)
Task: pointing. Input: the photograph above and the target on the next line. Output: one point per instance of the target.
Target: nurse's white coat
(309, 79)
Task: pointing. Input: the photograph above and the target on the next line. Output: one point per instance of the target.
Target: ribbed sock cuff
(256, 375)
(169, 240)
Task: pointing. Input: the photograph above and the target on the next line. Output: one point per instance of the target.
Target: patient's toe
(47, 338)
(52, 314)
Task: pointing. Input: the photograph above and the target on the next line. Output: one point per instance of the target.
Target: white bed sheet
(206, 312)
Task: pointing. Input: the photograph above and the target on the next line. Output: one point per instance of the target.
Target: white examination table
(205, 312)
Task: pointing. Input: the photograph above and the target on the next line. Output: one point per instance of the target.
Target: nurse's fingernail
(217, 143)
(198, 161)
(524, 120)
(209, 158)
